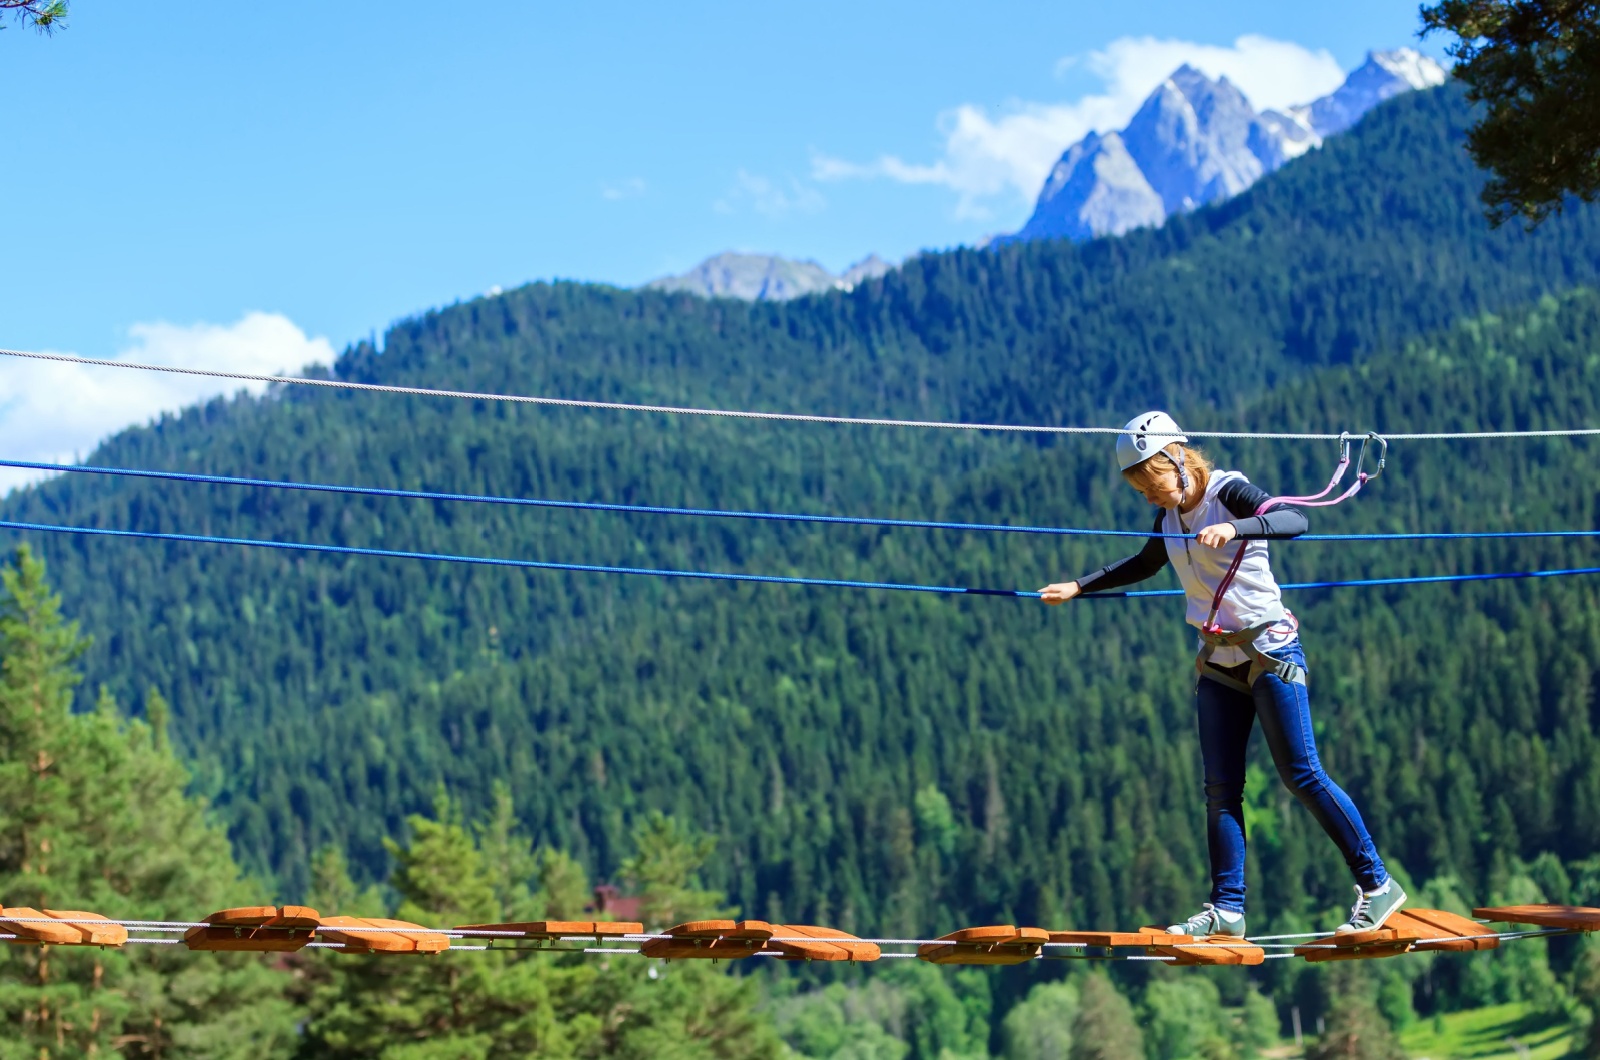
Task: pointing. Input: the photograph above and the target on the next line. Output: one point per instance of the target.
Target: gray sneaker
(1209, 921)
(1371, 910)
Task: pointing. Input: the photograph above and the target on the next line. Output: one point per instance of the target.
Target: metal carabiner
(1344, 453)
(1383, 455)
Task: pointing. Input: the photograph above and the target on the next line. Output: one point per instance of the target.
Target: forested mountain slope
(877, 760)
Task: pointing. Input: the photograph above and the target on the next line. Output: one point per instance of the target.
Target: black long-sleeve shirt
(1240, 498)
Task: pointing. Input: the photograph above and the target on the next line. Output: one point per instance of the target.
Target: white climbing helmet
(1147, 434)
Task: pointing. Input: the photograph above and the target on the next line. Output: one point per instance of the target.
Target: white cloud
(1273, 73)
(631, 188)
(768, 197)
(53, 412)
(1008, 155)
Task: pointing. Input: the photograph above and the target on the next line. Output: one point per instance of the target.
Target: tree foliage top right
(1535, 65)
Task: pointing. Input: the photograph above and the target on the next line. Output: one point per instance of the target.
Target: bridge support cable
(786, 417)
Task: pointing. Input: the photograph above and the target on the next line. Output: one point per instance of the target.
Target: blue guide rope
(645, 509)
(771, 579)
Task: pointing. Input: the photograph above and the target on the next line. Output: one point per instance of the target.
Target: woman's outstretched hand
(1059, 593)
(1217, 535)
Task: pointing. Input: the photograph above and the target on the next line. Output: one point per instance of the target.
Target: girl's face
(1163, 492)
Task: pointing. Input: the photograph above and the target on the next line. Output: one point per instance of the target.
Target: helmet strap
(1183, 472)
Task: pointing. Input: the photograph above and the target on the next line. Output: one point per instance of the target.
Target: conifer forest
(188, 727)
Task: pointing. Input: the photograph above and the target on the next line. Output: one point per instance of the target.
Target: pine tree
(1534, 65)
(1104, 1028)
(96, 818)
(1040, 1028)
(1355, 1030)
(516, 1003)
(666, 873)
(1586, 988)
(46, 16)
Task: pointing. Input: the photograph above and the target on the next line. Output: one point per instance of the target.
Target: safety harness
(1213, 636)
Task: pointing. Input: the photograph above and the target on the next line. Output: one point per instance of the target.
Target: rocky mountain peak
(1382, 76)
(1204, 93)
(1107, 190)
(767, 277)
(1197, 140)
(868, 268)
(1410, 66)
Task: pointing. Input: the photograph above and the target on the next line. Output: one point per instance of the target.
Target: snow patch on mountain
(1383, 76)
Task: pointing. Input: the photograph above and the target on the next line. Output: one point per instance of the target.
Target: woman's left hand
(1218, 534)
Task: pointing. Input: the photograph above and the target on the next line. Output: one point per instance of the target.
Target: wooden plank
(1405, 930)
(406, 938)
(1433, 925)
(255, 929)
(95, 934)
(550, 930)
(993, 944)
(1211, 950)
(822, 944)
(1574, 917)
(1331, 949)
(711, 940)
(1111, 939)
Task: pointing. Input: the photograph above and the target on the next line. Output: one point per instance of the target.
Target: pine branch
(46, 16)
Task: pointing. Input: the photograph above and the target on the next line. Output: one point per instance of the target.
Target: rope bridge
(285, 929)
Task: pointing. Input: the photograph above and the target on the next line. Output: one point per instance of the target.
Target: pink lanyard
(1313, 501)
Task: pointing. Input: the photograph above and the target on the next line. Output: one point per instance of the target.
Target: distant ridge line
(786, 417)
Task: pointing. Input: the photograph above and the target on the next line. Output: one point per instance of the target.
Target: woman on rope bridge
(1250, 661)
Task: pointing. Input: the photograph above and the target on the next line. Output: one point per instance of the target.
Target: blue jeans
(1226, 716)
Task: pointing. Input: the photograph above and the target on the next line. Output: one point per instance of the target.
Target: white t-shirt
(1252, 598)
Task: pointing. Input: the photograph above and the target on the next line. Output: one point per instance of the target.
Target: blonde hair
(1161, 473)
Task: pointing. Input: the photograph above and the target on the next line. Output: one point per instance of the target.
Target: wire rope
(722, 513)
(768, 579)
(789, 417)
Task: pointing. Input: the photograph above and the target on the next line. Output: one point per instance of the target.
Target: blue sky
(333, 169)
